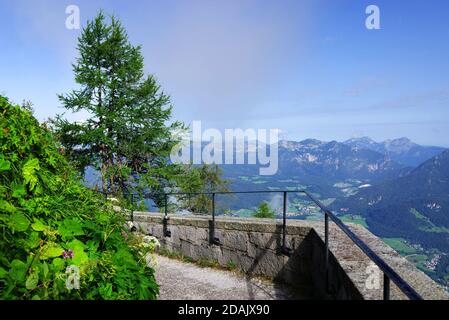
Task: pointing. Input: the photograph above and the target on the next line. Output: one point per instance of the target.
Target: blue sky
(309, 68)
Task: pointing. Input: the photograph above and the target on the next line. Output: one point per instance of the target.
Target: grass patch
(208, 263)
(428, 226)
(231, 265)
(401, 246)
(417, 258)
(351, 218)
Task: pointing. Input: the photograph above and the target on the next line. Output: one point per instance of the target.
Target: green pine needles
(129, 133)
(52, 225)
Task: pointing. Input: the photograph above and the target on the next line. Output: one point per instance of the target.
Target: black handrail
(389, 273)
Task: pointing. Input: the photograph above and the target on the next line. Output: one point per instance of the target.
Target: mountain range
(361, 177)
(401, 150)
(326, 167)
(331, 170)
(335, 161)
(413, 207)
(398, 189)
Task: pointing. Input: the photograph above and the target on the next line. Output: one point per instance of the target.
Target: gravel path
(180, 280)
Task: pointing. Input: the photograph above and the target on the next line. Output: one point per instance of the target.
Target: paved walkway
(180, 280)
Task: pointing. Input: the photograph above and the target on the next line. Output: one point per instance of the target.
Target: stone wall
(253, 246)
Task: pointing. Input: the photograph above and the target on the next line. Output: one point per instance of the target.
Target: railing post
(189, 201)
(213, 207)
(132, 207)
(167, 232)
(386, 287)
(213, 239)
(326, 244)
(284, 249)
(165, 206)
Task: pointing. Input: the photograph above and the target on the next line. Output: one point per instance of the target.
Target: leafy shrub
(264, 211)
(52, 224)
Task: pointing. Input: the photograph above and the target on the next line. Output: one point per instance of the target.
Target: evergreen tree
(264, 211)
(201, 179)
(126, 135)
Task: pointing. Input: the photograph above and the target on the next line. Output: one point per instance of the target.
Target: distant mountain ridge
(325, 168)
(401, 150)
(320, 164)
(334, 160)
(331, 160)
(415, 206)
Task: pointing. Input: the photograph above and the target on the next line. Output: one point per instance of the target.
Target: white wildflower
(150, 241)
(129, 224)
(114, 200)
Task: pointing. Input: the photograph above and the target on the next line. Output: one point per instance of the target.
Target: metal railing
(388, 273)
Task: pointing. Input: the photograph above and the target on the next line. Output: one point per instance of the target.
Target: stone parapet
(253, 246)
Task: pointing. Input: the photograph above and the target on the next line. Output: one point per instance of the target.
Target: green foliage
(46, 213)
(29, 172)
(127, 137)
(201, 179)
(230, 265)
(208, 263)
(264, 211)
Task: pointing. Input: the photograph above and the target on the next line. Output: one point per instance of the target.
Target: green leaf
(5, 206)
(18, 191)
(92, 245)
(29, 172)
(18, 270)
(69, 228)
(3, 273)
(32, 280)
(58, 263)
(106, 291)
(44, 270)
(79, 256)
(38, 225)
(5, 165)
(18, 221)
(33, 240)
(51, 250)
(51, 161)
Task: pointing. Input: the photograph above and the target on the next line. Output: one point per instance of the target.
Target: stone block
(265, 240)
(235, 240)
